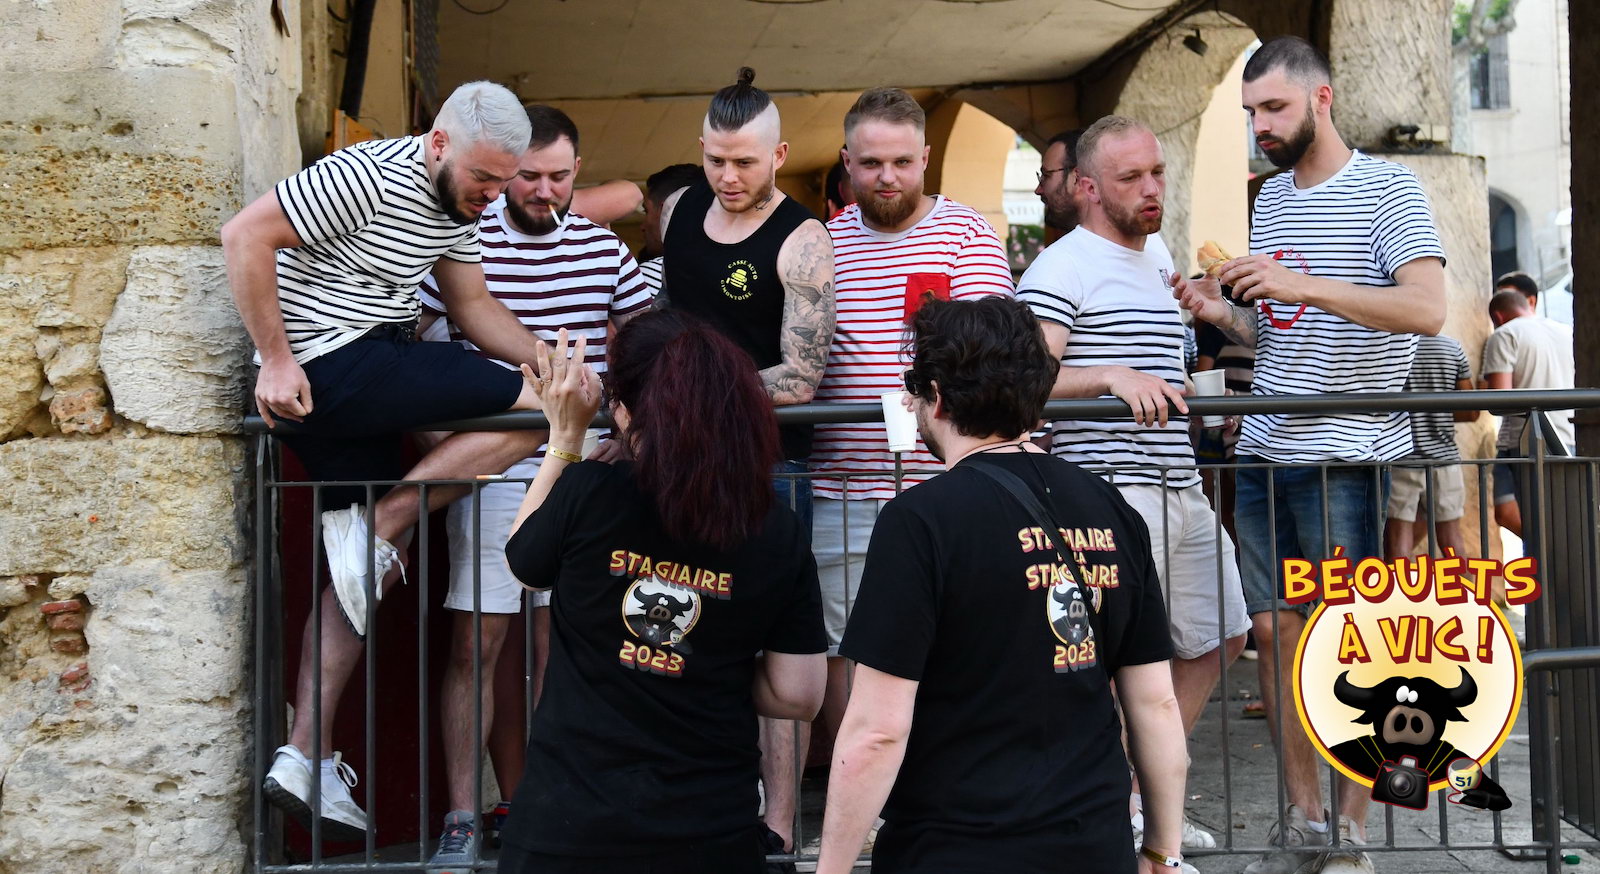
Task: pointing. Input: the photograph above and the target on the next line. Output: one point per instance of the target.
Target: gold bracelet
(1161, 859)
(563, 454)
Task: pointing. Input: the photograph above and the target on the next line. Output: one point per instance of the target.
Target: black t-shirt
(1014, 735)
(735, 286)
(646, 734)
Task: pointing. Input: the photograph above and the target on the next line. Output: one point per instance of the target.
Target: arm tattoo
(806, 269)
(1241, 326)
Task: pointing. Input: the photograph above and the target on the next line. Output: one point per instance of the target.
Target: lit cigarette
(553, 216)
(490, 476)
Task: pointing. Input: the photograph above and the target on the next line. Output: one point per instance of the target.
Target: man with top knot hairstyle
(759, 267)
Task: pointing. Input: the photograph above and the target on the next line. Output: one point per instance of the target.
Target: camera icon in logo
(1402, 784)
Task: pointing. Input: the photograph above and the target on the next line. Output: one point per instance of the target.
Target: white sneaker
(1343, 861)
(288, 786)
(344, 540)
(1300, 846)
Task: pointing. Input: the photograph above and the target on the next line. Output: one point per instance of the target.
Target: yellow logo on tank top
(740, 282)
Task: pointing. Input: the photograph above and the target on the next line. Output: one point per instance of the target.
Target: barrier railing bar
(1105, 408)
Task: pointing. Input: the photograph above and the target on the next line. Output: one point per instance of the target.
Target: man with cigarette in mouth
(554, 269)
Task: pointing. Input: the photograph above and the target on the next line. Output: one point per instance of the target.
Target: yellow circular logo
(1396, 689)
(740, 281)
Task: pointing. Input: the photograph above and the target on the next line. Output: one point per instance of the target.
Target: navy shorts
(367, 393)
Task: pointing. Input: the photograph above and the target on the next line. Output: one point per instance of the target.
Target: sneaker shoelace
(1280, 835)
(456, 838)
(342, 769)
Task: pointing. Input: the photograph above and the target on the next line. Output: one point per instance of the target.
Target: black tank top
(734, 286)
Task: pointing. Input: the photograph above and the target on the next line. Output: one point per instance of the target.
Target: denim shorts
(793, 486)
(1294, 526)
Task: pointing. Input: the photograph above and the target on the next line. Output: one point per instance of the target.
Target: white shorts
(1407, 491)
(841, 553)
(498, 505)
(1184, 540)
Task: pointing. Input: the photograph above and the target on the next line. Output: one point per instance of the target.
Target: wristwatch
(1161, 859)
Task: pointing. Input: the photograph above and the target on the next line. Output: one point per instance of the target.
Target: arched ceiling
(635, 74)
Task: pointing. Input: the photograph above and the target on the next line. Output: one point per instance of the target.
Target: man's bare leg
(508, 738)
(1299, 758)
(1354, 799)
(463, 748)
(1397, 537)
(462, 455)
(1508, 515)
(778, 746)
(1194, 679)
(341, 651)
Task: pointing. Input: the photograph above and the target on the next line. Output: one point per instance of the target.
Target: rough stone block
(196, 34)
(174, 353)
(69, 506)
(52, 306)
(67, 587)
(81, 412)
(145, 156)
(16, 591)
(145, 768)
(36, 35)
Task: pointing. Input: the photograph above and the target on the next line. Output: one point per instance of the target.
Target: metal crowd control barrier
(1561, 776)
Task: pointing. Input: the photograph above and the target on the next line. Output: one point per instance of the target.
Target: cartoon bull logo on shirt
(1069, 612)
(660, 613)
(1408, 716)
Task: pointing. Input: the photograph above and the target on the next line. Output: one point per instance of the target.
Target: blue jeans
(795, 492)
(1356, 498)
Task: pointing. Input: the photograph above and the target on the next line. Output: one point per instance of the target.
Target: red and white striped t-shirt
(953, 249)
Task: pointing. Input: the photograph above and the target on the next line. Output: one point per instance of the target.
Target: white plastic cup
(1210, 384)
(591, 442)
(900, 424)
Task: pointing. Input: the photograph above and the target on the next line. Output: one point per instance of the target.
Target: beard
(1130, 221)
(538, 220)
(1289, 152)
(887, 213)
(449, 199)
(761, 196)
(1065, 218)
(923, 431)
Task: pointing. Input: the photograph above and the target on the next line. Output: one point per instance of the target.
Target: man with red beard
(1102, 298)
(759, 267)
(892, 248)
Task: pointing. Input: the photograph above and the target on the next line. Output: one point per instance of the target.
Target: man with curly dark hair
(1000, 600)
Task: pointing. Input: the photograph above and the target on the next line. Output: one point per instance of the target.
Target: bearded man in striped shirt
(892, 248)
(1345, 270)
(324, 270)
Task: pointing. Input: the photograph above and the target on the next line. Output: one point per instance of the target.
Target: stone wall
(128, 133)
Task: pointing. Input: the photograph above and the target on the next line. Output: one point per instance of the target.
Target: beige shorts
(1407, 491)
(499, 591)
(840, 531)
(1195, 559)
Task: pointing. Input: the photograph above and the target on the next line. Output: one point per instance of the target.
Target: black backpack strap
(1025, 496)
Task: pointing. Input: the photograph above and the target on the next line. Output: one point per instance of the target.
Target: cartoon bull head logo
(659, 613)
(1072, 624)
(1408, 716)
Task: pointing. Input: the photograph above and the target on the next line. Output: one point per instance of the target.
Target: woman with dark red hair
(671, 570)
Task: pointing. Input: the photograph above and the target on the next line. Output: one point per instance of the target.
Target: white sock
(327, 766)
(1320, 828)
